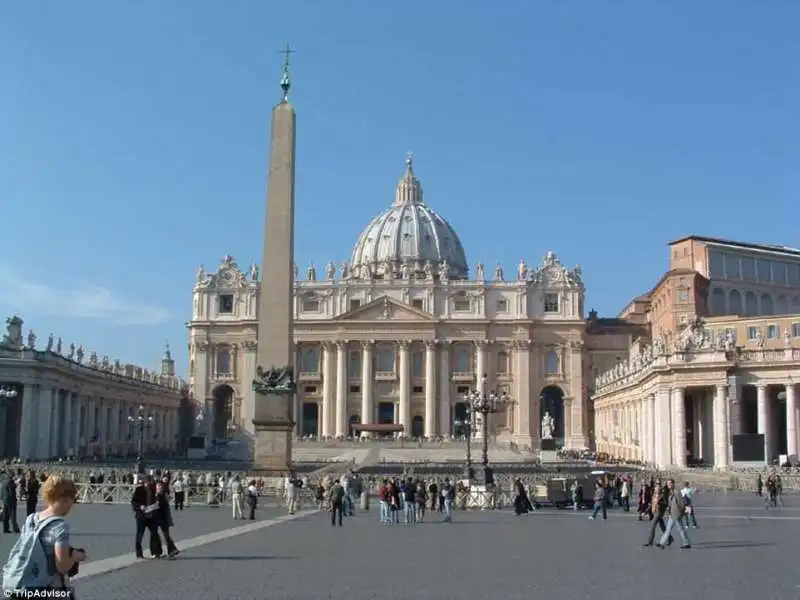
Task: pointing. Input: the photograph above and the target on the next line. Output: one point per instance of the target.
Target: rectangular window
(502, 306)
(733, 267)
(310, 305)
(716, 264)
(417, 364)
(354, 304)
(418, 303)
(752, 333)
(355, 389)
(748, 269)
(779, 273)
(772, 332)
(354, 368)
(462, 305)
(764, 271)
(462, 389)
(551, 303)
(794, 274)
(795, 329)
(310, 389)
(226, 304)
(417, 389)
(683, 296)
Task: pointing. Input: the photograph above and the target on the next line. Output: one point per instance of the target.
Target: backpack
(27, 565)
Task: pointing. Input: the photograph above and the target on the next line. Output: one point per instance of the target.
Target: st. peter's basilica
(400, 332)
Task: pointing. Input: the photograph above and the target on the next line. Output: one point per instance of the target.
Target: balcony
(385, 376)
(309, 376)
(463, 376)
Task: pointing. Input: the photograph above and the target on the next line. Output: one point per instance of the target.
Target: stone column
(43, 445)
(644, 438)
(663, 428)
(430, 389)
(721, 441)
(679, 426)
(30, 413)
(328, 383)
(367, 376)
(791, 420)
(341, 389)
(405, 387)
(763, 419)
(67, 423)
(445, 410)
(480, 371)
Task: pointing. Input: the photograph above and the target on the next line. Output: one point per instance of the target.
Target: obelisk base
(272, 448)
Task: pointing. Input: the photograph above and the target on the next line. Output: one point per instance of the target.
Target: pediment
(386, 309)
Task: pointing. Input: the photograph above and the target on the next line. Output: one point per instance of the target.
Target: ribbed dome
(410, 237)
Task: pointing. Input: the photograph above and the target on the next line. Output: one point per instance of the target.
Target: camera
(74, 570)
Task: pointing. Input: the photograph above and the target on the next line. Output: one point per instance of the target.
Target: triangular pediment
(386, 309)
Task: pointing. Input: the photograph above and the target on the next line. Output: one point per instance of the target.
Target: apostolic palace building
(692, 371)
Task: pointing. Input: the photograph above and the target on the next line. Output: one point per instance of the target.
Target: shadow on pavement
(738, 544)
(236, 558)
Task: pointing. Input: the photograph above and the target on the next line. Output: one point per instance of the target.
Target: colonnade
(653, 427)
(57, 423)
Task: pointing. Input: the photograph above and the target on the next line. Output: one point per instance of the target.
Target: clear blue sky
(133, 138)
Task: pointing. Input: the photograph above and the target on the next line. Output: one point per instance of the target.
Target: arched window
(718, 302)
(502, 363)
(767, 305)
(782, 306)
(750, 304)
(223, 361)
(384, 358)
(735, 303)
(461, 360)
(551, 363)
(309, 359)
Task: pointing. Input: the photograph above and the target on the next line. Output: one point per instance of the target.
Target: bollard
(364, 500)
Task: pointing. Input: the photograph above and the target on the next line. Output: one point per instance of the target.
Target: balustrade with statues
(68, 401)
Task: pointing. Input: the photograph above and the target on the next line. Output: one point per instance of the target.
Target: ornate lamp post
(484, 403)
(466, 427)
(140, 422)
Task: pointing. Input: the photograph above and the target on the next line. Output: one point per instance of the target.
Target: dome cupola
(408, 240)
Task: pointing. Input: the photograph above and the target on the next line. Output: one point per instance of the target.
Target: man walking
(8, 502)
(236, 498)
(675, 509)
(335, 499)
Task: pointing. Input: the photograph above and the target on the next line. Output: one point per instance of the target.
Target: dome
(409, 238)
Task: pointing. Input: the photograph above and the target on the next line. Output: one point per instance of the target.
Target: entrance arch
(417, 426)
(354, 420)
(461, 418)
(385, 417)
(310, 419)
(551, 400)
(222, 411)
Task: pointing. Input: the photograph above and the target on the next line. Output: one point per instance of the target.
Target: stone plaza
(740, 551)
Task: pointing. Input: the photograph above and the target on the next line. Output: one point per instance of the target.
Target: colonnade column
(30, 408)
(366, 387)
(679, 411)
(445, 411)
(430, 389)
(644, 432)
(763, 419)
(341, 389)
(45, 423)
(328, 377)
(791, 420)
(721, 441)
(405, 388)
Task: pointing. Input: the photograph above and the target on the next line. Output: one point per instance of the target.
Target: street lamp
(140, 422)
(484, 403)
(466, 427)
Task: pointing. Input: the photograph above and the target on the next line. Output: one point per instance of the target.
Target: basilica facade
(402, 331)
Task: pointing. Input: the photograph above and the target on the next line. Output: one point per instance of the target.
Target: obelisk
(274, 385)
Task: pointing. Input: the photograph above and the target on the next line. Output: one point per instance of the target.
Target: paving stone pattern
(740, 552)
(107, 530)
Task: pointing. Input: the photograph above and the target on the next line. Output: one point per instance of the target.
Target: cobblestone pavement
(107, 530)
(741, 551)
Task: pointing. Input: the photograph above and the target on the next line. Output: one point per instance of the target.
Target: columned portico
(791, 420)
(341, 389)
(763, 417)
(405, 387)
(431, 417)
(366, 386)
(445, 385)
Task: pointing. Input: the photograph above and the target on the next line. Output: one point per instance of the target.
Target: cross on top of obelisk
(285, 81)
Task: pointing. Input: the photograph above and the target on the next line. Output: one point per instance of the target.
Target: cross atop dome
(409, 191)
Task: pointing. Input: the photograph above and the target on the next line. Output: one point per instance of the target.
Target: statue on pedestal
(548, 426)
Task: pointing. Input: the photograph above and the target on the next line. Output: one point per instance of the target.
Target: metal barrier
(90, 493)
